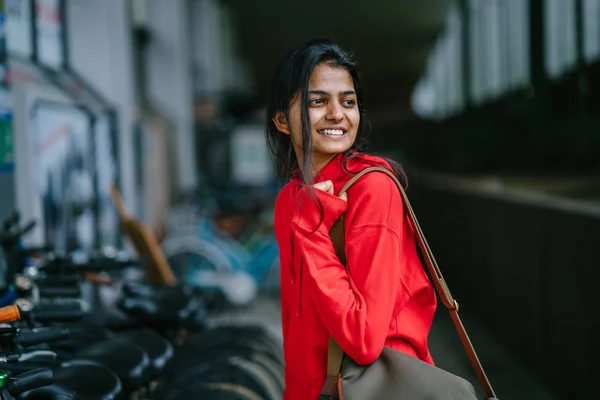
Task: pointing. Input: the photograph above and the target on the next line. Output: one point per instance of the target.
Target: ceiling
(390, 39)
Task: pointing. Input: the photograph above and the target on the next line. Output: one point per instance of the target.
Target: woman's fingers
(327, 186)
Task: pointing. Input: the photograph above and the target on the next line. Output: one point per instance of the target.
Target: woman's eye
(349, 102)
(316, 101)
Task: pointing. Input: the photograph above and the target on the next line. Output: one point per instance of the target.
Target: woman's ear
(281, 123)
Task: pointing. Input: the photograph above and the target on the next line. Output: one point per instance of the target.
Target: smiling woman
(381, 295)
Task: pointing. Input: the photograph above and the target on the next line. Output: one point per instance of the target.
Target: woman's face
(333, 113)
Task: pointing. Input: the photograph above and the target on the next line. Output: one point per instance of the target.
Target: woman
(382, 296)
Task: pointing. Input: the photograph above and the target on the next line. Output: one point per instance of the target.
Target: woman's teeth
(337, 132)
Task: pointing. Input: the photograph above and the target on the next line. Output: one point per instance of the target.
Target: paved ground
(511, 380)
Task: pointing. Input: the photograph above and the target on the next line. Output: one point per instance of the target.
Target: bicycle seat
(194, 367)
(159, 349)
(79, 382)
(164, 307)
(173, 294)
(268, 367)
(248, 339)
(129, 362)
(224, 391)
(192, 383)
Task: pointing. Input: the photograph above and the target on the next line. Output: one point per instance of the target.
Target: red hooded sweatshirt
(382, 297)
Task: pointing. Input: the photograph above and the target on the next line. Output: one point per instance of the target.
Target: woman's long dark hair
(291, 77)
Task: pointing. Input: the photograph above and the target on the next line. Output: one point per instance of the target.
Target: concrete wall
(208, 63)
(100, 50)
(169, 79)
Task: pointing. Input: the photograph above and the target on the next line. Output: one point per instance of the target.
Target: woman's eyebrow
(322, 92)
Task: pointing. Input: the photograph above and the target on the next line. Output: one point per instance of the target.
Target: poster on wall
(19, 27)
(49, 33)
(106, 175)
(63, 175)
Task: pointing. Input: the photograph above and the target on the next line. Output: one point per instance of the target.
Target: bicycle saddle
(159, 349)
(129, 362)
(172, 294)
(247, 340)
(196, 377)
(194, 367)
(272, 369)
(79, 382)
(164, 307)
(223, 391)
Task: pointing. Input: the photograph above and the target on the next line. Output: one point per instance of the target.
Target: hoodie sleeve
(356, 301)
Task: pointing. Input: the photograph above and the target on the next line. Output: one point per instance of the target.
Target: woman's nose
(335, 111)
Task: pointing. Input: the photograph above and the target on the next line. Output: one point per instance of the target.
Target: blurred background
(492, 106)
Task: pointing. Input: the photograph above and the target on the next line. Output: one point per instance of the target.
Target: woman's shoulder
(359, 161)
(287, 196)
(375, 180)
(374, 197)
(283, 205)
(283, 195)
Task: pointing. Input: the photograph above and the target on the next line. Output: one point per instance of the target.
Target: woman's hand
(327, 186)
(312, 215)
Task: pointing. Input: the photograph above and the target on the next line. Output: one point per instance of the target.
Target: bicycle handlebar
(30, 380)
(44, 335)
(58, 314)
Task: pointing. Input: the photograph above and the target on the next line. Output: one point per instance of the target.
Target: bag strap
(335, 353)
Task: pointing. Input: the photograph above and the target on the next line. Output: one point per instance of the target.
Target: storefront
(65, 141)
